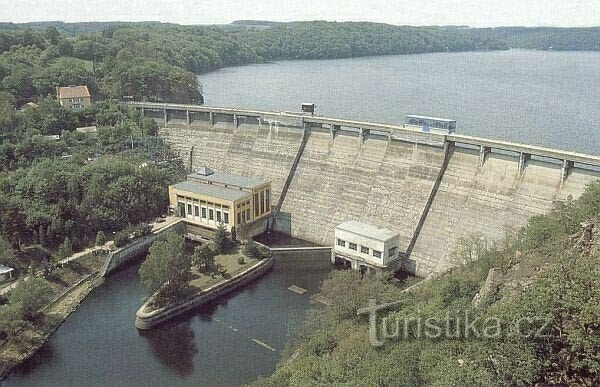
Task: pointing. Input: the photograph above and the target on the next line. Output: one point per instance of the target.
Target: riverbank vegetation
(545, 276)
(39, 303)
(176, 270)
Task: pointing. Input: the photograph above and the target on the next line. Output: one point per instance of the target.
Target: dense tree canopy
(167, 268)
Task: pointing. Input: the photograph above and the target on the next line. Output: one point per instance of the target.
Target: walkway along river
(229, 342)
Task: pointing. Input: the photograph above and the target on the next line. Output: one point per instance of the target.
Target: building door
(181, 210)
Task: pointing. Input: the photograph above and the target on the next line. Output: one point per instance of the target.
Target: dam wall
(377, 181)
(248, 150)
(433, 188)
(486, 200)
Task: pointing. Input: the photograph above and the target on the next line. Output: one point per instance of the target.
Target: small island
(180, 274)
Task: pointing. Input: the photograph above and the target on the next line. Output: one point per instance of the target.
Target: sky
(475, 13)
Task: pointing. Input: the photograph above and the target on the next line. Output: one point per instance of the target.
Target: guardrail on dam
(433, 188)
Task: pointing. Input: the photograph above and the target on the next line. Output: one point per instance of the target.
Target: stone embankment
(146, 318)
(139, 247)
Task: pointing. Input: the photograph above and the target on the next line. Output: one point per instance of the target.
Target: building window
(239, 216)
(392, 252)
(218, 216)
(197, 211)
(203, 212)
(364, 250)
(268, 200)
(377, 254)
(189, 209)
(226, 217)
(262, 202)
(341, 242)
(352, 246)
(248, 214)
(211, 214)
(256, 204)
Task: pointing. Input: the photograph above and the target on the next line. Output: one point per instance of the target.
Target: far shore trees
(167, 269)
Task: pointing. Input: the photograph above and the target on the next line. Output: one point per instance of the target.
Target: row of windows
(71, 100)
(262, 202)
(365, 250)
(202, 209)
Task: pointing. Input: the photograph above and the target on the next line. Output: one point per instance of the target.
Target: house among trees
(28, 105)
(73, 97)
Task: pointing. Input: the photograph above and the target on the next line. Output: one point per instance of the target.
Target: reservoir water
(536, 97)
(546, 98)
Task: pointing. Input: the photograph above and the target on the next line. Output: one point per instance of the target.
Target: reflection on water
(278, 239)
(173, 345)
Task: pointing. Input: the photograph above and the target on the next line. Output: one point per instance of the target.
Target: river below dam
(228, 343)
(545, 98)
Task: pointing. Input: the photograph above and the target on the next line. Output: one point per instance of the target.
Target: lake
(537, 97)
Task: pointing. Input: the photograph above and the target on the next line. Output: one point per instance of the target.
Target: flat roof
(367, 230)
(229, 179)
(430, 118)
(216, 191)
(5, 269)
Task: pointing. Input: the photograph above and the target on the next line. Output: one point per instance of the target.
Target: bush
(121, 238)
(241, 260)
(251, 249)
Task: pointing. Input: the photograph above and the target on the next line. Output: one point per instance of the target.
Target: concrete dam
(433, 188)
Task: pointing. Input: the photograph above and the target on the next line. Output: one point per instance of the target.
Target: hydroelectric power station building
(209, 199)
(365, 247)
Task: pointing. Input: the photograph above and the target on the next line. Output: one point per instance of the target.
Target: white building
(6, 273)
(366, 247)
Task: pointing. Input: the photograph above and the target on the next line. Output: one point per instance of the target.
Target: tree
(100, 238)
(167, 268)
(251, 249)
(204, 256)
(7, 254)
(10, 318)
(65, 250)
(30, 295)
(220, 241)
(52, 35)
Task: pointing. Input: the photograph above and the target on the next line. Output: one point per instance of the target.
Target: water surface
(538, 97)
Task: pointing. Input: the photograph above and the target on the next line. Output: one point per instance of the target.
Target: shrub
(121, 238)
(241, 260)
(251, 249)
